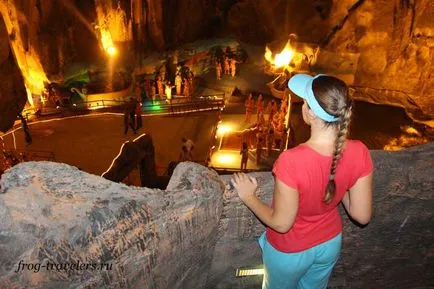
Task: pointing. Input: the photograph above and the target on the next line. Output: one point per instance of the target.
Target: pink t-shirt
(308, 171)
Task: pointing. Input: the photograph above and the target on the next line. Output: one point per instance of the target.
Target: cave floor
(91, 142)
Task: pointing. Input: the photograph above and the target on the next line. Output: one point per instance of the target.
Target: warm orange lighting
(281, 59)
(27, 58)
(226, 159)
(223, 129)
(112, 51)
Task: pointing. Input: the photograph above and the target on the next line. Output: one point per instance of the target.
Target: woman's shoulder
(355, 146)
(295, 153)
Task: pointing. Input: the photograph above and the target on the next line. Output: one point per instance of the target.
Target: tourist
(244, 152)
(130, 115)
(302, 241)
(25, 127)
(138, 115)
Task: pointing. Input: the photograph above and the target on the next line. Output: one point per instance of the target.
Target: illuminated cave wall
(12, 91)
(391, 42)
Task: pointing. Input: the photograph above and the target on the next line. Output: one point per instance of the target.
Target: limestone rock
(145, 238)
(395, 44)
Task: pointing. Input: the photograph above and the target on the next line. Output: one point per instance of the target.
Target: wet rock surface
(136, 237)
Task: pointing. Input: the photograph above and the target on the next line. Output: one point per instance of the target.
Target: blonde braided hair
(345, 117)
(332, 94)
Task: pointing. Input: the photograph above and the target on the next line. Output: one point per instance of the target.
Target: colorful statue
(168, 90)
(178, 84)
(218, 70)
(160, 87)
(226, 65)
(233, 67)
(191, 82)
(186, 88)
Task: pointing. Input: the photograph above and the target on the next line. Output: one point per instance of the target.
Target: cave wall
(394, 41)
(13, 94)
(58, 32)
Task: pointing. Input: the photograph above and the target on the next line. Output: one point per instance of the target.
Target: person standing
(302, 242)
(244, 156)
(138, 115)
(130, 115)
(25, 127)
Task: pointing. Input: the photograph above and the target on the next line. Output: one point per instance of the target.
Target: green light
(155, 107)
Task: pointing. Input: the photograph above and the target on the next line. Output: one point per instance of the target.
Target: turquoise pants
(308, 269)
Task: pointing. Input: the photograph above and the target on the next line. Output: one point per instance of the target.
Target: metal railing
(177, 105)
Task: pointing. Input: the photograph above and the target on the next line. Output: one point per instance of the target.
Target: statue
(168, 90)
(186, 88)
(160, 87)
(226, 65)
(218, 70)
(233, 67)
(178, 83)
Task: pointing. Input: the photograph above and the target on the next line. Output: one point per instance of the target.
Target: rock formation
(394, 43)
(138, 153)
(55, 214)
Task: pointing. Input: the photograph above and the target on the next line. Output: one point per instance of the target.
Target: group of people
(132, 115)
(303, 236)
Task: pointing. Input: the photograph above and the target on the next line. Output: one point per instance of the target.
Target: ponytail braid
(345, 115)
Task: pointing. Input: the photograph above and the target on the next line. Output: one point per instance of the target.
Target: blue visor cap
(301, 85)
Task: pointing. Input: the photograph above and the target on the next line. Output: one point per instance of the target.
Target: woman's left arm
(281, 216)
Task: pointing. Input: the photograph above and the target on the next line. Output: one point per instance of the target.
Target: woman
(303, 238)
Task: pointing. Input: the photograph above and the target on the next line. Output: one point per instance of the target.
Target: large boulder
(55, 214)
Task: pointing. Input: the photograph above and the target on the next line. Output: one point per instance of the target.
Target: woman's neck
(322, 138)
